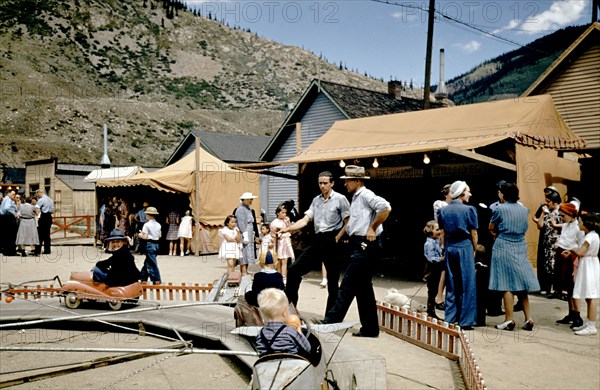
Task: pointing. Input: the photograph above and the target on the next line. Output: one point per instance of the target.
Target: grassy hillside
(510, 74)
(151, 73)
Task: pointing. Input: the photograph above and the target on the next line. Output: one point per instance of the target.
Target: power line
(460, 22)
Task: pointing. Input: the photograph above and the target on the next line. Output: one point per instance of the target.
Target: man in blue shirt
(46, 207)
(329, 212)
(8, 224)
(367, 213)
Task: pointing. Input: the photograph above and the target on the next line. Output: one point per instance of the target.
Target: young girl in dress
(285, 252)
(230, 243)
(587, 280)
(266, 239)
(173, 223)
(185, 233)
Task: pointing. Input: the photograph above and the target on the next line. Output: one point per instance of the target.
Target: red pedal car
(81, 287)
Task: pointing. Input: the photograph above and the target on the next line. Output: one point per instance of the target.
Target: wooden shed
(64, 183)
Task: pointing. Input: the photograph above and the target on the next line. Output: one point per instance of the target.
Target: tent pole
(197, 200)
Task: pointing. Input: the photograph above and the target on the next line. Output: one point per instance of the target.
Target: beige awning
(461, 127)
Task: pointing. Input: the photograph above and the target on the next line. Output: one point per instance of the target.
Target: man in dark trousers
(330, 212)
(46, 207)
(8, 224)
(367, 214)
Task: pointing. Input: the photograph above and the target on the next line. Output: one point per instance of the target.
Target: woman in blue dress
(510, 270)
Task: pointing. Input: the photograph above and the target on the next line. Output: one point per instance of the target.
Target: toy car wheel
(115, 305)
(72, 301)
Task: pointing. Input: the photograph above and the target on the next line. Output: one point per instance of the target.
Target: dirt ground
(549, 357)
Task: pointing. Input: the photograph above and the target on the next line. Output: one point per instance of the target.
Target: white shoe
(578, 328)
(589, 330)
(323, 283)
(181, 254)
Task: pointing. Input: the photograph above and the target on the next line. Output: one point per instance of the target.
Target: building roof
(353, 102)
(75, 182)
(231, 148)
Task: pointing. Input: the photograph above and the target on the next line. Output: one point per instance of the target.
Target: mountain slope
(67, 67)
(510, 74)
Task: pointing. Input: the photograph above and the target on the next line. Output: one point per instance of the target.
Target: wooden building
(64, 183)
(573, 81)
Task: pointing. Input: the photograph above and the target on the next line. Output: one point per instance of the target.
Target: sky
(388, 39)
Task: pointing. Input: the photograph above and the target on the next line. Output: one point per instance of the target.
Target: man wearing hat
(151, 232)
(246, 222)
(367, 213)
(119, 269)
(459, 224)
(329, 212)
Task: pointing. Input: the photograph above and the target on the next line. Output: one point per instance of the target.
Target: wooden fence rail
(69, 225)
(436, 336)
(186, 292)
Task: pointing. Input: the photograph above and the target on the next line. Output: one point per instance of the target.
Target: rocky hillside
(151, 73)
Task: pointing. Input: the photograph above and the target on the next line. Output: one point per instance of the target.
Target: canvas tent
(532, 126)
(212, 186)
(117, 173)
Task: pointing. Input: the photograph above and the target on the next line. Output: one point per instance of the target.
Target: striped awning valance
(548, 141)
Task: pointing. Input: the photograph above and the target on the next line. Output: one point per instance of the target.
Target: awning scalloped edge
(548, 141)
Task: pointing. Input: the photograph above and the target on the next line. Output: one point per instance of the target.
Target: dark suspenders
(270, 342)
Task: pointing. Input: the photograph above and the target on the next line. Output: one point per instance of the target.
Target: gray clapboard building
(319, 107)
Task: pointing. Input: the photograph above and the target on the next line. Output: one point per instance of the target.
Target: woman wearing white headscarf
(458, 223)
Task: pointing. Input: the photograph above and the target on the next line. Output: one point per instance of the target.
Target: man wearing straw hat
(246, 222)
(367, 214)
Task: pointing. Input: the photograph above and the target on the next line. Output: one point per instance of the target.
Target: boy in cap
(268, 277)
(120, 268)
(151, 232)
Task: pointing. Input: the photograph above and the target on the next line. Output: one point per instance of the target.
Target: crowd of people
(464, 279)
(474, 282)
(25, 221)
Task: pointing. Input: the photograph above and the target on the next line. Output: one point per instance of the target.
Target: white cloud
(469, 47)
(405, 16)
(560, 14)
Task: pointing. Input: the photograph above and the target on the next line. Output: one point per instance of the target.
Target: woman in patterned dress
(173, 232)
(547, 213)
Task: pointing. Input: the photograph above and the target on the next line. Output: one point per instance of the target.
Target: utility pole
(595, 6)
(428, 54)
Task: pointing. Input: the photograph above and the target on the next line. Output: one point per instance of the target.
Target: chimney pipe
(440, 92)
(105, 162)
